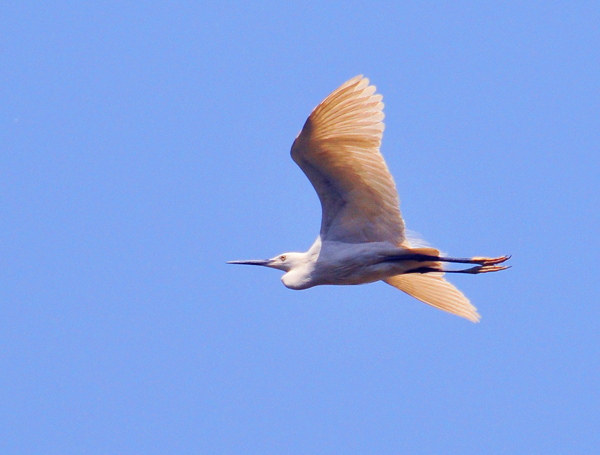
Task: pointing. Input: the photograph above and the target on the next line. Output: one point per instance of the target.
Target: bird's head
(285, 261)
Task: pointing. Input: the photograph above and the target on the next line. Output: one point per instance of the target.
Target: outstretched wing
(434, 290)
(338, 150)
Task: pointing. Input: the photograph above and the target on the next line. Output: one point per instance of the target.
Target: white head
(285, 261)
(295, 264)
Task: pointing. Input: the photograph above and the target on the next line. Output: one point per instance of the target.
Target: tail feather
(433, 289)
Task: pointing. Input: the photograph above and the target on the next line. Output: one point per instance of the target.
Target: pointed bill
(263, 262)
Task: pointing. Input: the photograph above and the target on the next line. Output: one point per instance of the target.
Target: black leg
(426, 258)
(473, 270)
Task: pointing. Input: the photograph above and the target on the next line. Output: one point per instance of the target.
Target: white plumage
(362, 237)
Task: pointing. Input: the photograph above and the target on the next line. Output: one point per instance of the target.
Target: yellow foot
(491, 261)
(492, 268)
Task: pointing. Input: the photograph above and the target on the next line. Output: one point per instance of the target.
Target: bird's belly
(347, 263)
(351, 274)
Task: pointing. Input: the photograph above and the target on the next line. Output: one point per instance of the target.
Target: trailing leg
(473, 270)
(427, 258)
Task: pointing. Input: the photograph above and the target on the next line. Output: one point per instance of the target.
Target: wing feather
(338, 150)
(434, 290)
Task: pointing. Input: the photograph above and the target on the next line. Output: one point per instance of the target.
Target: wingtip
(356, 80)
(475, 319)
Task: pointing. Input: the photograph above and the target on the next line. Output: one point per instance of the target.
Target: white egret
(362, 238)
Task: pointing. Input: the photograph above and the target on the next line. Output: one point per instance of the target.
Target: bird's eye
(282, 257)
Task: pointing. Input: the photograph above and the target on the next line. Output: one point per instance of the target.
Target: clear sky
(143, 144)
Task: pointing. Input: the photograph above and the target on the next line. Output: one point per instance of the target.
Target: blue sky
(143, 145)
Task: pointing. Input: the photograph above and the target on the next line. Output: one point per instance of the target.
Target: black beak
(264, 262)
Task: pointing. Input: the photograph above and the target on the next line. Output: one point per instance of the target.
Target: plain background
(144, 144)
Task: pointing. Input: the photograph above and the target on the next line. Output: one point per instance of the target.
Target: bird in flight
(362, 238)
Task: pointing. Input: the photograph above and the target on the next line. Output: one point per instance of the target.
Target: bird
(363, 237)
